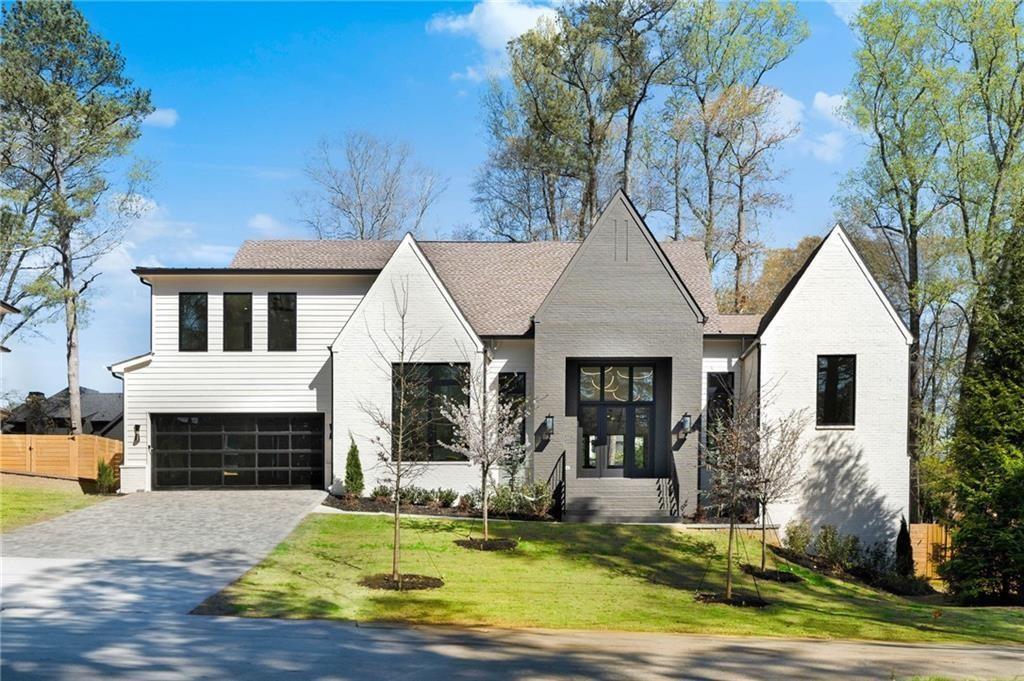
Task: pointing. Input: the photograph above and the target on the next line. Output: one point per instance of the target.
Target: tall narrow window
(837, 383)
(281, 321)
(192, 322)
(512, 390)
(237, 322)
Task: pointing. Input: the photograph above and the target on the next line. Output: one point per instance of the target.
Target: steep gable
(622, 260)
(409, 276)
(834, 274)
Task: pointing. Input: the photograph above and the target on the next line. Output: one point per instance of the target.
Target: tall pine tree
(987, 560)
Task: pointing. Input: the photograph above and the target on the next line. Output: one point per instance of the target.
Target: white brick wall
(363, 378)
(855, 478)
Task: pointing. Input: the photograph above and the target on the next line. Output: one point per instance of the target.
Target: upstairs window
(192, 322)
(837, 389)
(281, 322)
(237, 322)
(426, 387)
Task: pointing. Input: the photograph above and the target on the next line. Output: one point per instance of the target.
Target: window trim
(818, 415)
(206, 321)
(224, 321)
(295, 326)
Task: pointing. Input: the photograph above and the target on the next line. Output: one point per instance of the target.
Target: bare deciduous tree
(399, 446)
(779, 460)
(365, 187)
(487, 430)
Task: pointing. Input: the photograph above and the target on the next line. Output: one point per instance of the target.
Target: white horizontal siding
(226, 382)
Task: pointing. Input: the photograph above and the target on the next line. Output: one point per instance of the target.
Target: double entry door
(616, 440)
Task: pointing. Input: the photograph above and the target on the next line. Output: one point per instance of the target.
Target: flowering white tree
(485, 429)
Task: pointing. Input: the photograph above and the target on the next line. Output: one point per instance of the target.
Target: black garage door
(238, 450)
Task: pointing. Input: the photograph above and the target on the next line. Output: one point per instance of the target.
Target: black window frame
(247, 345)
(629, 407)
(433, 422)
(293, 338)
(827, 415)
(512, 387)
(205, 318)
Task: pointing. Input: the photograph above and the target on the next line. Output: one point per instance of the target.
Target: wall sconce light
(686, 423)
(549, 425)
(683, 428)
(135, 441)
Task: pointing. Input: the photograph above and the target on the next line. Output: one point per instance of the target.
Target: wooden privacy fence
(930, 545)
(60, 456)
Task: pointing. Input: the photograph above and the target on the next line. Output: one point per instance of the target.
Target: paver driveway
(147, 552)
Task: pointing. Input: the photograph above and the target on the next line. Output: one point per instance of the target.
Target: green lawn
(639, 578)
(23, 505)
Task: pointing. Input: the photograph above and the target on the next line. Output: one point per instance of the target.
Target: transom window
(616, 383)
(426, 387)
(192, 309)
(837, 390)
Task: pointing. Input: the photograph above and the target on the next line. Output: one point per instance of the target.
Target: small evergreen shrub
(445, 498)
(353, 471)
(106, 478)
(382, 493)
(798, 536)
(839, 550)
(904, 551)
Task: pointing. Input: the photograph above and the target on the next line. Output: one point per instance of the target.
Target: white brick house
(259, 373)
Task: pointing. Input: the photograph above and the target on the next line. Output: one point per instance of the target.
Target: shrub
(798, 536)
(106, 478)
(353, 471)
(904, 551)
(535, 499)
(468, 501)
(444, 497)
(382, 493)
(841, 551)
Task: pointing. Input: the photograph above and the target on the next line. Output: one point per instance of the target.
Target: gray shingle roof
(497, 285)
(738, 324)
(96, 406)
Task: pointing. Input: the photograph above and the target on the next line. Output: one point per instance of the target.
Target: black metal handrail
(556, 483)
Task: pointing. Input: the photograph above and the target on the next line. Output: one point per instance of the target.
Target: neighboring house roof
(96, 406)
(498, 285)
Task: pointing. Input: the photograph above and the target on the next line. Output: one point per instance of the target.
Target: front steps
(619, 500)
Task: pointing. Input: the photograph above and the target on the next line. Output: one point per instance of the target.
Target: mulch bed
(370, 505)
(738, 601)
(772, 575)
(488, 544)
(406, 583)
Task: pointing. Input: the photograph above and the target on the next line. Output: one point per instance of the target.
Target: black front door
(615, 421)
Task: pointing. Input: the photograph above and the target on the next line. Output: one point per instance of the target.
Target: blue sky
(244, 90)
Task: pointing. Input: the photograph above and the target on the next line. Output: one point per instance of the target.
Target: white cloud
(267, 226)
(827, 147)
(831, 107)
(789, 112)
(207, 254)
(491, 23)
(846, 9)
(162, 118)
(152, 221)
